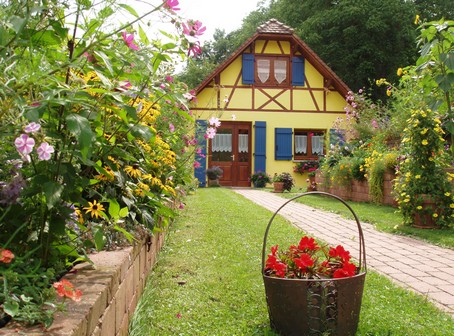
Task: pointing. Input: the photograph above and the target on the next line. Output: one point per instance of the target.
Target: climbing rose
(24, 144)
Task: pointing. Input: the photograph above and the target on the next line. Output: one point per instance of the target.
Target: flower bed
(111, 289)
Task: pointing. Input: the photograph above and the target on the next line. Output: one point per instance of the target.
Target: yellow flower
(435, 215)
(388, 92)
(133, 171)
(447, 194)
(424, 142)
(424, 131)
(419, 207)
(417, 176)
(417, 19)
(80, 217)
(399, 72)
(451, 205)
(94, 209)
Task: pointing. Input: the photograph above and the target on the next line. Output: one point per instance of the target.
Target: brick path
(411, 263)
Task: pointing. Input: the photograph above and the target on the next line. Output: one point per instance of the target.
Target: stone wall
(358, 191)
(110, 289)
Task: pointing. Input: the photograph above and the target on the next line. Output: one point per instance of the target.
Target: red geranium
(6, 256)
(66, 289)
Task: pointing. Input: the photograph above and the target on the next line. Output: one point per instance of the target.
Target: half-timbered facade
(277, 102)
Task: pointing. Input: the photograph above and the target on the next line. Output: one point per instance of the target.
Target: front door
(230, 150)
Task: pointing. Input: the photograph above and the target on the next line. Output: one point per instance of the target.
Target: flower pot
(278, 187)
(315, 306)
(213, 183)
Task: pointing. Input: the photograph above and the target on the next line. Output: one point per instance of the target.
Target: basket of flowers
(312, 288)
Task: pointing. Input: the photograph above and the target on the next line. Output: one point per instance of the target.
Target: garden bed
(110, 292)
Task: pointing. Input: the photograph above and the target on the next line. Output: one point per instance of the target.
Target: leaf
(131, 10)
(114, 208)
(123, 212)
(106, 61)
(17, 23)
(444, 82)
(79, 126)
(11, 307)
(52, 191)
(99, 238)
(127, 235)
(140, 131)
(143, 36)
(106, 81)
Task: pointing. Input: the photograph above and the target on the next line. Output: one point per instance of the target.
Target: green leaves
(80, 127)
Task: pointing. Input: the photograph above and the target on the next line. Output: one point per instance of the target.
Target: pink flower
(194, 48)
(171, 5)
(32, 127)
(171, 127)
(24, 144)
(211, 132)
(129, 40)
(169, 79)
(124, 85)
(196, 164)
(214, 122)
(90, 58)
(44, 151)
(193, 28)
(181, 205)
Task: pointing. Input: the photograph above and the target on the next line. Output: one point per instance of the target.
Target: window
(308, 144)
(272, 71)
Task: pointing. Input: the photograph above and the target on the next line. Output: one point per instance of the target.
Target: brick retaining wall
(110, 292)
(359, 190)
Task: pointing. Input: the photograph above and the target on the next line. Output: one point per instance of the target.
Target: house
(277, 102)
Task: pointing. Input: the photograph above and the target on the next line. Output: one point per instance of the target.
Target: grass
(384, 218)
(208, 278)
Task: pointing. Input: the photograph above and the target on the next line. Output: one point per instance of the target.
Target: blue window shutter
(199, 173)
(260, 146)
(283, 144)
(248, 69)
(298, 71)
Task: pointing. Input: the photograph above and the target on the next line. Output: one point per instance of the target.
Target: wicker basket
(315, 306)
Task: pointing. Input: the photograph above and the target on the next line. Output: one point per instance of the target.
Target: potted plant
(213, 174)
(307, 166)
(423, 191)
(260, 178)
(282, 182)
(311, 288)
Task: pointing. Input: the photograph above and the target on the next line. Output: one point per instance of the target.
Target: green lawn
(208, 278)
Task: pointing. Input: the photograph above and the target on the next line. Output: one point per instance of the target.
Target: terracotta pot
(278, 187)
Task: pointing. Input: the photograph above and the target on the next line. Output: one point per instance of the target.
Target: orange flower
(6, 256)
(66, 289)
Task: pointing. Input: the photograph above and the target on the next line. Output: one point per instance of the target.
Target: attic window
(272, 71)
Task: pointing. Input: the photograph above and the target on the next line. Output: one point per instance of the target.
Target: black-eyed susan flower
(95, 209)
(133, 171)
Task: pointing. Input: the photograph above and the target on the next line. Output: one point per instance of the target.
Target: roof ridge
(273, 26)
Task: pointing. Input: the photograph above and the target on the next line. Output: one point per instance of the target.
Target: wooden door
(231, 150)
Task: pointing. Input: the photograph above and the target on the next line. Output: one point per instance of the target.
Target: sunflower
(133, 171)
(95, 209)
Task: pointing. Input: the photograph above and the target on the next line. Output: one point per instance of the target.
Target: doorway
(230, 150)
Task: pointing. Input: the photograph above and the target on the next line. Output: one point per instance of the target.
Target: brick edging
(111, 288)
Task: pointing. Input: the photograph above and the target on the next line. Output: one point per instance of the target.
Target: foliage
(286, 178)
(420, 172)
(260, 179)
(308, 260)
(308, 166)
(96, 144)
(214, 172)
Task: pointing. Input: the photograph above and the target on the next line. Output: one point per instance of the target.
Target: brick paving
(412, 264)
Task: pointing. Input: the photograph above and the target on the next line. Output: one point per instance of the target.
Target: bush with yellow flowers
(421, 171)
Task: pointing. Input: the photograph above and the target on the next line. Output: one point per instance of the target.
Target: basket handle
(362, 247)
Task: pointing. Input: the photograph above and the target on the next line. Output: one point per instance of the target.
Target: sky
(222, 14)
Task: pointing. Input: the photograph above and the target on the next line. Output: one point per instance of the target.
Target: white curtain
(263, 70)
(301, 144)
(243, 143)
(280, 71)
(317, 144)
(222, 143)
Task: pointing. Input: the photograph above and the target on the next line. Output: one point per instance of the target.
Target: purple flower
(129, 40)
(44, 151)
(171, 127)
(24, 144)
(32, 127)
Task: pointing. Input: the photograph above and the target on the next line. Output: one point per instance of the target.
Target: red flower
(304, 261)
(66, 289)
(6, 256)
(347, 270)
(339, 252)
(307, 244)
